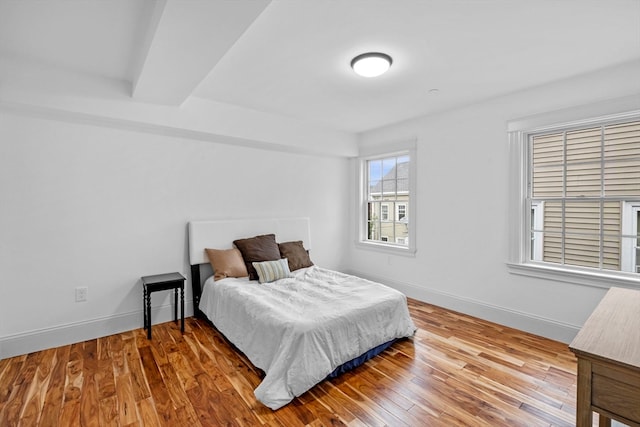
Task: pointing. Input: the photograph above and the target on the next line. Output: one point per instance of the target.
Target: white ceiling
(291, 58)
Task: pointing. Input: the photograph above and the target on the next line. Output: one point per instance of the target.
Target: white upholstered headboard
(220, 234)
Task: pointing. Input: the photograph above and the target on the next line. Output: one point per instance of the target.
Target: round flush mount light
(371, 64)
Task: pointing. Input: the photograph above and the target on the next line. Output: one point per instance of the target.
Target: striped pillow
(269, 271)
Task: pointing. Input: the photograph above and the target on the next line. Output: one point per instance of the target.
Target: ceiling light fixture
(371, 64)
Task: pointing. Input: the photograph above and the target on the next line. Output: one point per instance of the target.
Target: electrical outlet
(81, 294)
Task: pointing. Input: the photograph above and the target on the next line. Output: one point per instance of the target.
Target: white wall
(94, 206)
(99, 201)
(462, 207)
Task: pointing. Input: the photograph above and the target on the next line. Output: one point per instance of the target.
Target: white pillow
(269, 271)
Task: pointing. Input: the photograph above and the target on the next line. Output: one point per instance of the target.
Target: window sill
(389, 249)
(578, 277)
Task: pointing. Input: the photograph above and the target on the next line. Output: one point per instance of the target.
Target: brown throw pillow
(257, 249)
(296, 254)
(226, 263)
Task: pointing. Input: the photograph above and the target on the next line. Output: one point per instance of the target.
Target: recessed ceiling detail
(371, 64)
(242, 55)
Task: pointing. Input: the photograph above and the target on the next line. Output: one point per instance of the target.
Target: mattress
(300, 329)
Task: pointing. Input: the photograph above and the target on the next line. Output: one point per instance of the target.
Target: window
(387, 201)
(387, 185)
(384, 212)
(581, 194)
(401, 211)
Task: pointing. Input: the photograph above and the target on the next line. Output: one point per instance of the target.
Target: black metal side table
(163, 282)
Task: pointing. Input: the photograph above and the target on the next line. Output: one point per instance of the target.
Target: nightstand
(162, 282)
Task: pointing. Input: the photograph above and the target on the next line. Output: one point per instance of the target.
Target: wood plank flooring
(456, 371)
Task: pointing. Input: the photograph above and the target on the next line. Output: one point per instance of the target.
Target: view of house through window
(388, 200)
(584, 197)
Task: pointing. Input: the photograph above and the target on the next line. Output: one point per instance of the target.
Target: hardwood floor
(456, 370)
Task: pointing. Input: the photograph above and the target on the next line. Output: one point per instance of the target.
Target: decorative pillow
(297, 255)
(257, 249)
(270, 271)
(226, 263)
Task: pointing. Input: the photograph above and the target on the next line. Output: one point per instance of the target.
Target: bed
(309, 324)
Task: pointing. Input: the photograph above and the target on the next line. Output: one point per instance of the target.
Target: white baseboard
(41, 339)
(56, 336)
(527, 322)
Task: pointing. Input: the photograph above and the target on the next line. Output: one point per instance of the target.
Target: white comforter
(298, 330)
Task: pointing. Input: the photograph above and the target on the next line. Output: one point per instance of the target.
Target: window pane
(548, 150)
(584, 146)
(373, 220)
(582, 217)
(389, 168)
(374, 211)
(612, 230)
(373, 232)
(582, 250)
(403, 185)
(552, 247)
(584, 179)
(611, 252)
(582, 234)
(548, 181)
(622, 141)
(622, 178)
(553, 217)
(612, 219)
(402, 234)
(375, 175)
(389, 187)
(388, 230)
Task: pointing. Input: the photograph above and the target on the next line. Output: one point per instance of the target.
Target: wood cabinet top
(612, 332)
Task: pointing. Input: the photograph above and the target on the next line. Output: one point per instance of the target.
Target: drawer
(616, 396)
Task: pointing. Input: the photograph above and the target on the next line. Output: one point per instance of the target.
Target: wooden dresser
(608, 352)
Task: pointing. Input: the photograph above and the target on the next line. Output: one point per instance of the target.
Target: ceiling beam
(185, 40)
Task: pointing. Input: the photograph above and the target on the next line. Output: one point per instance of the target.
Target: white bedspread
(298, 330)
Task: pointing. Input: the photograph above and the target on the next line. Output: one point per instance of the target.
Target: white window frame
(407, 147)
(519, 247)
